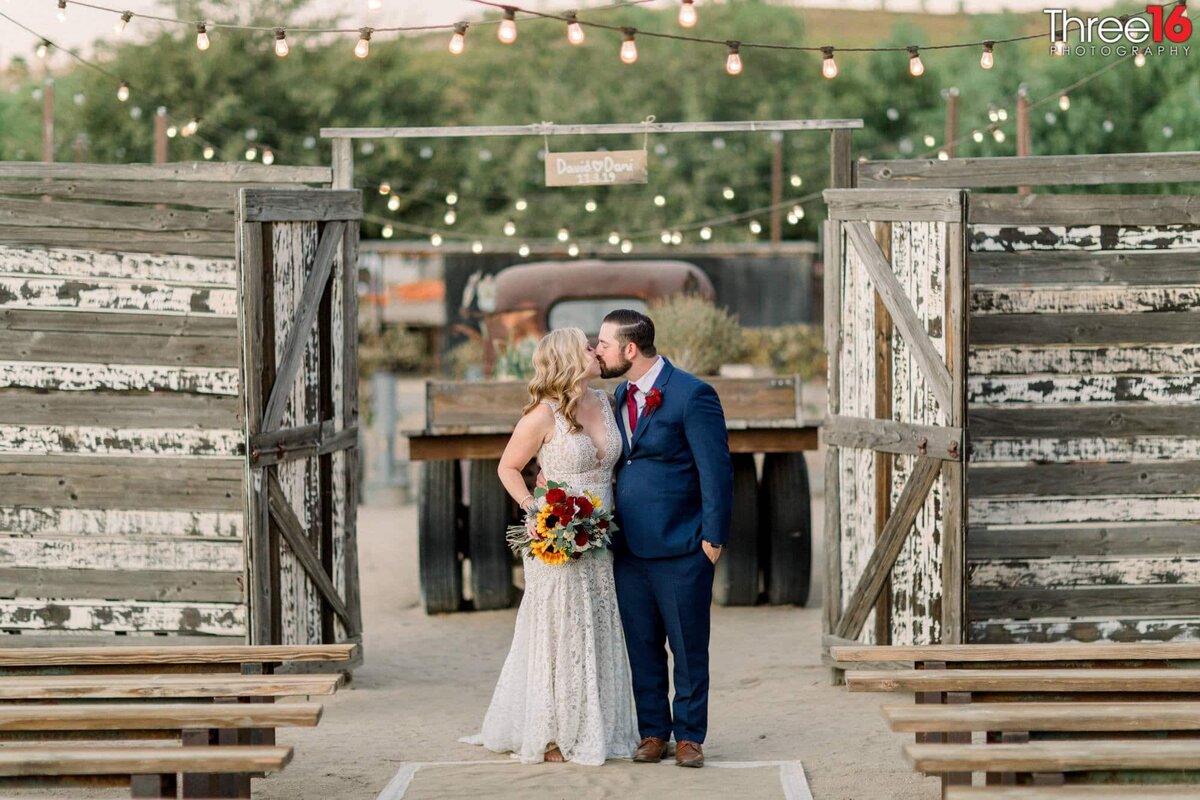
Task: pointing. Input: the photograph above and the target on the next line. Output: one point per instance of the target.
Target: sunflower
(553, 556)
(594, 500)
(543, 521)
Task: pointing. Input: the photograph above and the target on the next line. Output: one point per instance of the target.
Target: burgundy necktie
(631, 407)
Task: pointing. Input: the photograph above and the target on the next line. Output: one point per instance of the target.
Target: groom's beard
(616, 370)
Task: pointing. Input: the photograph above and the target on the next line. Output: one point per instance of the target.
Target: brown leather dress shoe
(688, 754)
(651, 750)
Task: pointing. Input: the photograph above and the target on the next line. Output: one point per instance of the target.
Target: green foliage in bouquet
(695, 334)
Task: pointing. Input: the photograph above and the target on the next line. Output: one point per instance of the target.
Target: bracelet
(524, 499)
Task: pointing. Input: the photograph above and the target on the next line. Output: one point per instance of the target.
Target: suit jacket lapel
(622, 390)
(647, 416)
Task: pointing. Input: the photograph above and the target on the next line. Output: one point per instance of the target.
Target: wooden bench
(1030, 681)
(148, 771)
(96, 720)
(202, 658)
(77, 687)
(1018, 717)
(1075, 792)
(1019, 655)
(1055, 758)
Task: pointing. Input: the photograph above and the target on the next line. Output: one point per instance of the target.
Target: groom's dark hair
(634, 326)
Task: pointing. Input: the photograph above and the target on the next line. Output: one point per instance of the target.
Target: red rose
(561, 512)
(555, 496)
(581, 539)
(583, 508)
(653, 400)
(602, 524)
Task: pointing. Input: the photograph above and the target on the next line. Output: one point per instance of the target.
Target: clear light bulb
(1060, 47)
(452, 198)
(687, 14)
(659, 200)
(476, 247)
(521, 204)
(665, 236)
(123, 91)
(563, 234)
(755, 227)
(62, 11)
(676, 237)
(916, 67)
(574, 31)
(573, 250)
(251, 153)
(796, 181)
(202, 42)
(943, 155)
(733, 62)
(977, 136)
(436, 240)
(829, 67)
(191, 127)
(629, 52)
(1064, 103)
(451, 217)
(172, 132)
(374, 5)
(281, 44)
(394, 203)
(1139, 60)
(706, 233)
(998, 135)
(614, 238)
(929, 140)
(589, 206)
(987, 59)
(209, 152)
(123, 21)
(268, 157)
(523, 250)
(1002, 114)
(43, 49)
(388, 231)
(507, 32)
(728, 193)
(510, 228)
(798, 212)
(362, 48)
(458, 42)
(626, 246)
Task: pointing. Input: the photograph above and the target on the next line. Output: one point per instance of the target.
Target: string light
(123, 91)
(374, 5)
(43, 48)
(706, 233)
(798, 211)
(123, 21)
(458, 42)
(665, 237)
(563, 234)
(363, 48)
(589, 206)
(755, 227)
(62, 11)
(436, 240)
(998, 135)
(393, 203)
(510, 228)
(916, 67)
(451, 198)
(687, 14)
(521, 204)
(191, 127)
(1060, 46)
(202, 42)
(977, 136)
(209, 152)
(476, 247)
(573, 250)
(1064, 102)
(733, 62)
(385, 188)
(574, 29)
(728, 193)
(659, 200)
(1139, 60)
(523, 250)
(268, 157)
(930, 141)
(251, 153)
(829, 67)
(629, 51)
(987, 59)
(796, 181)
(388, 231)
(943, 155)
(451, 217)
(614, 238)
(676, 238)
(281, 45)
(626, 246)
(172, 132)
(507, 32)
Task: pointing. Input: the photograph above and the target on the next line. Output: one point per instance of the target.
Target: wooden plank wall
(1084, 474)
(121, 488)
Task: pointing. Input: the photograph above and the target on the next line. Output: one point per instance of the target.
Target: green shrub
(395, 349)
(696, 335)
(788, 349)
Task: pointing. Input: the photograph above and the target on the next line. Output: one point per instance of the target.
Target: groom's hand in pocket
(712, 552)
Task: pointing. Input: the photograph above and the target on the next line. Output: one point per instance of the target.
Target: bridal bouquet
(564, 527)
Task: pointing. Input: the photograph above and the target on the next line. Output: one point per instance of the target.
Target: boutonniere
(653, 400)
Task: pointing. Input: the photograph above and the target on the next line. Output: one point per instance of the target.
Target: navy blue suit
(674, 489)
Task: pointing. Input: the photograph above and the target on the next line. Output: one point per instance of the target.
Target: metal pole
(48, 119)
(951, 96)
(776, 187)
(1024, 140)
(160, 135)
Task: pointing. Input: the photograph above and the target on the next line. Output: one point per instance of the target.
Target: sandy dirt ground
(427, 680)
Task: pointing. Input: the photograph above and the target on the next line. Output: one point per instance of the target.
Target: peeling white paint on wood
(1086, 629)
(1017, 238)
(1058, 451)
(120, 377)
(113, 295)
(1072, 390)
(120, 522)
(1069, 572)
(857, 385)
(1099, 359)
(1097, 300)
(106, 553)
(92, 264)
(218, 619)
(53, 439)
(919, 260)
(1048, 510)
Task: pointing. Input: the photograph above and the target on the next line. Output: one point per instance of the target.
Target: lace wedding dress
(566, 679)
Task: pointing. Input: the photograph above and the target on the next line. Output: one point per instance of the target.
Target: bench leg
(231, 784)
(957, 737)
(165, 785)
(1006, 778)
(198, 784)
(1048, 779)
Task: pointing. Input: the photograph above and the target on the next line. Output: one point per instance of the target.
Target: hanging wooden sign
(604, 168)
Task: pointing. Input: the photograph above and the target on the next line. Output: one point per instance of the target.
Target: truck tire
(488, 515)
(786, 518)
(736, 582)
(438, 561)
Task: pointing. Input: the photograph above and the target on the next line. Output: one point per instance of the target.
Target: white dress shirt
(640, 388)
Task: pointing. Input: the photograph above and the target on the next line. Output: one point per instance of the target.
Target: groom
(674, 497)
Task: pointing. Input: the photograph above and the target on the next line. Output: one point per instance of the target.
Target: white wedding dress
(566, 679)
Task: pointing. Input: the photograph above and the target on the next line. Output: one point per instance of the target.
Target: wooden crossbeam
(1078, 716)
(937, 376)
(305, 441)
(139, 760)
(1070, 651)
(1065, 756)
(306, 315)
(889, 436)
(293, 534)
(1026, 680)
(887, 549)
(74, 687)
(157, 716)
(1142, 791)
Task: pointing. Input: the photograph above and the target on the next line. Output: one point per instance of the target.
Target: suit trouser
(667, 600)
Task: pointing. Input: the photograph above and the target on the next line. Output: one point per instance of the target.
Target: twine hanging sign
(598, 168)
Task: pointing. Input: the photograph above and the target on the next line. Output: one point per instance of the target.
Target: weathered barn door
(299, 315)
(896, 333)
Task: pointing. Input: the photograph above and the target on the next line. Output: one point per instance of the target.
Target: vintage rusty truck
(463, 509)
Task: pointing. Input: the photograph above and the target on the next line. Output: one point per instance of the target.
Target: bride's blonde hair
(559, 366)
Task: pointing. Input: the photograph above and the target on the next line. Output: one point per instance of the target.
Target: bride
(564, 693)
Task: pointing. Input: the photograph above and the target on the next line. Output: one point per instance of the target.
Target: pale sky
(84, 25)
